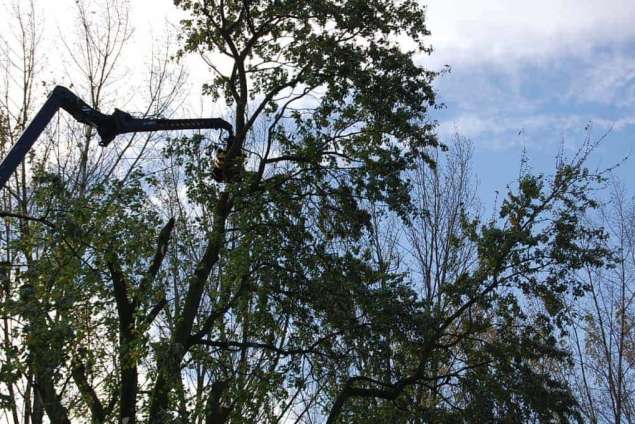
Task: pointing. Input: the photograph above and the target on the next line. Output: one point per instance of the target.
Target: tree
(20, 47)
(292, 257)
(274, 297)
(488, 354)
(51, 301)
(602, 339)
(312, 163)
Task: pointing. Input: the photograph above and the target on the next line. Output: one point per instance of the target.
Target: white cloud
(609, 80)
(507, 31)
(500, 132)
(533, 73)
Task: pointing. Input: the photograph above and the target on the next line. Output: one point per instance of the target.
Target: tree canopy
(343, 276)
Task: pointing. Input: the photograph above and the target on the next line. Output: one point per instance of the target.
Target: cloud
(531, 74)
(499, 132)
(507, 32)
(609, 80)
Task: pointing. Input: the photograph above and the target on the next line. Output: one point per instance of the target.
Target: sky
(535, 77)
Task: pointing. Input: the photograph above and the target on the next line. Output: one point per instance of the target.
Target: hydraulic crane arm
(107, 126)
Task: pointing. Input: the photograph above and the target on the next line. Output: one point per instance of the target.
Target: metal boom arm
(107, 126)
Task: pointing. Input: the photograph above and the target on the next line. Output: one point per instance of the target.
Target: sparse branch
(157, 260)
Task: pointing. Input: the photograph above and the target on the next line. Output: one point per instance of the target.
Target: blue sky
(531, 77)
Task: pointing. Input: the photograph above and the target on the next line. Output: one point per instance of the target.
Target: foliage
(155, 293)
